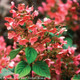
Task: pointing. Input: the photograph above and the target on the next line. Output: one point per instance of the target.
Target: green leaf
(31, 54)
(12, 69)
(76, 77)
(51, 35)
(22, 69)
(43, 26)
(41, 68)
(13, 53)
(69, 42)
(48, 16)
(30, 31)
(70, 33)
(5, 72)
(24, 79)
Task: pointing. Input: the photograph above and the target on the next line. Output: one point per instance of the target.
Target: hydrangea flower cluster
(62, 13)
(45, 37)
(25, 32)
(5, 62)
(4, 52)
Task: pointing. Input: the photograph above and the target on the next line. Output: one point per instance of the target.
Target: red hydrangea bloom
(23, 41)
(33, 40)
(61, 13)
(77, 60)
(4, 53)
(43, 37)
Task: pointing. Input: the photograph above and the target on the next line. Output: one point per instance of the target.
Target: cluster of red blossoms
(45, 37)
(5, 61)
(62, 13)
(4, 52)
